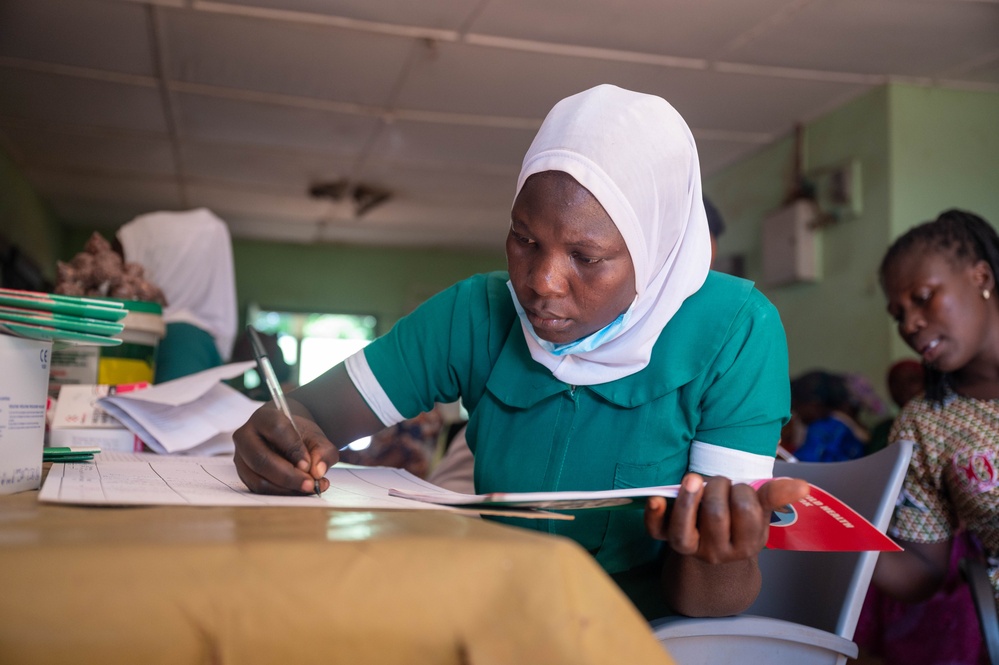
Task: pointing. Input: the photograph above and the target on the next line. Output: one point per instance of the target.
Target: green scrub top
(185, 349)
(718, 375)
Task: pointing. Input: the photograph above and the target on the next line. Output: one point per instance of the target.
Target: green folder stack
(58, 318)
(67, 454)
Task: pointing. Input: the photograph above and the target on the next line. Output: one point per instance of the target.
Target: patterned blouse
(953, 478)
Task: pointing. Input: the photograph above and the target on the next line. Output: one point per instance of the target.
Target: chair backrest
(977, 577)
(826, 590)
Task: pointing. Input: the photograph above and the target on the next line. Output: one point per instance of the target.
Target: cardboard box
(24, 384)
(79, 421)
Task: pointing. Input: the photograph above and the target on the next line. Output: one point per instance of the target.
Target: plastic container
(135, 359)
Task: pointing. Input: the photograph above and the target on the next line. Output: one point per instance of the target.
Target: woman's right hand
(271, 458)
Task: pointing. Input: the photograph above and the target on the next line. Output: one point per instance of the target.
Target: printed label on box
(23, 394)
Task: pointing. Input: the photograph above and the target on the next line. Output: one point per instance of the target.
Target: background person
(820, 400)
(607, 356)
(864, 405)
(242, 350)
(716, 226)
(189, 256)
(905, 380)
(939, 279)
(410, 445)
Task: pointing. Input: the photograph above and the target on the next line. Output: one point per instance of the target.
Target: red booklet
(818, 523)
(822, 523)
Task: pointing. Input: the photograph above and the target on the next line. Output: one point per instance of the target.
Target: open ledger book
(819, 523)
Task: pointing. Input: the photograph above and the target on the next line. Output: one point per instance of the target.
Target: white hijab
(636, 155)
(189, 256)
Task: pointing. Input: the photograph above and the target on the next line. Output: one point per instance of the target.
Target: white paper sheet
(193, 415)
(190, 387)
(124, 479)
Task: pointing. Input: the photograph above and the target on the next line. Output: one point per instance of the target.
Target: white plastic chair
(977, 577)
(810, 602)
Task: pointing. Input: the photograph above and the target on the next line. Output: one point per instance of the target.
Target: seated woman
(820, 400)
(607, 356)
(189, 256)
(939, 279)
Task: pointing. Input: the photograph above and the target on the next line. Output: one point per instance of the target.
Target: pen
(270, 378)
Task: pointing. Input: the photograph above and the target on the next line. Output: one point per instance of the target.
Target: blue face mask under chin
(588, 343)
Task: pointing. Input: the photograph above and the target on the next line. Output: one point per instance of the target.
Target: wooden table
(185, 585)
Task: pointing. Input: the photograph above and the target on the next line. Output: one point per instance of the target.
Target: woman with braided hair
(940, 282)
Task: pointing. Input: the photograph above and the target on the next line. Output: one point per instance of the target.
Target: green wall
(25, 221)
(920, 151)
(944, 153)
(387, 283)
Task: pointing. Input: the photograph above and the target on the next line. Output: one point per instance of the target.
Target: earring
(986, 294)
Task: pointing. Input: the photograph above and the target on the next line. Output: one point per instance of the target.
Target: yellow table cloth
(179, 585)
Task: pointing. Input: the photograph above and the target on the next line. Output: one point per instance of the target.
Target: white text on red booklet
(822, 523)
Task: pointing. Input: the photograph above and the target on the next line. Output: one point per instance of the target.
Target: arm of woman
(411, 365)
(927, 511)
(329, 412)
(914, 574)
(714, 532)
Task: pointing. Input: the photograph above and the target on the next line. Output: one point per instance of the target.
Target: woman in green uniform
(608, 356)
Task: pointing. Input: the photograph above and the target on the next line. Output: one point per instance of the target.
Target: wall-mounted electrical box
(790, 252)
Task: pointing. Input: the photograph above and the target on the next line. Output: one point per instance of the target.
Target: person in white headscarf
(189, 256)
(608, 356)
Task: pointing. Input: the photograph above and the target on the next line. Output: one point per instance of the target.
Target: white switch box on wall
(790, 252)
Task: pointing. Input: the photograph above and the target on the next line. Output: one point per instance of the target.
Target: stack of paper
(67, 319)
(192, 415)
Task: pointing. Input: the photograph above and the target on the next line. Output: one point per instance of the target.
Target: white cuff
(709, 459)
(364, 380)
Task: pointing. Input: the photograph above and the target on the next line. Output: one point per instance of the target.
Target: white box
(790, 252)
(24, 382)
(79, 421)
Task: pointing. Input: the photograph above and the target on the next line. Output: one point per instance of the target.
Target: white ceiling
(114, 108)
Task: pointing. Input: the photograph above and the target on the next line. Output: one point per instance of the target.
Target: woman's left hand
(717, 521)
(715, 530)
